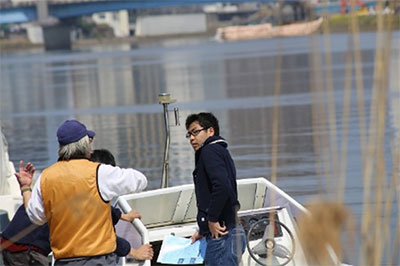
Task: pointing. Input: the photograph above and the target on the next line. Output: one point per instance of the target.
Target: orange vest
(79, 220)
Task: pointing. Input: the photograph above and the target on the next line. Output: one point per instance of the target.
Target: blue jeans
(226, 250)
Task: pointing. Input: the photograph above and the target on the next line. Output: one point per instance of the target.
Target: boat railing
(175, 206)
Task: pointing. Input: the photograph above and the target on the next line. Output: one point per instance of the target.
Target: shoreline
(337, 24)
(21, 43)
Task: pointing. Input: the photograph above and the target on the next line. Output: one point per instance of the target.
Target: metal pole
(164, 180)
(165, 99)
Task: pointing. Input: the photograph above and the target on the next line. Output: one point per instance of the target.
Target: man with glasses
(216, 192)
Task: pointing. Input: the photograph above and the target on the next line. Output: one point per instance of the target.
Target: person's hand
(130, 216)
(216, 229)
(144, 252)
(25, 174)
(196, 236)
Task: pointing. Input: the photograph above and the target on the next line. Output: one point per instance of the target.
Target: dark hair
(102, 156)
(206, 120)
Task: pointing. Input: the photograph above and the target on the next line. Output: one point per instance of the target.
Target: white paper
(179, 250)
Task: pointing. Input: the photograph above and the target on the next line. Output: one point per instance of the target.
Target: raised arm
(24, 177)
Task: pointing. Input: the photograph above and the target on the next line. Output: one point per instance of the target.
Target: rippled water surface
(113, 90)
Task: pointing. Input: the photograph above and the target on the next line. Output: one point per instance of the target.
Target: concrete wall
(118, 21)
(34, 33)
(170, 24)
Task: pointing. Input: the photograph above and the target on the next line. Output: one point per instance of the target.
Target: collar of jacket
(211, 140)
(215, 139)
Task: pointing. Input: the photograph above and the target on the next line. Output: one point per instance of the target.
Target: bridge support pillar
(57, 37)
(53, 37)
(49, 31)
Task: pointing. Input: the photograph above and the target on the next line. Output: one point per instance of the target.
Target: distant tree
(86, 25)
(102, 31)
(89, 29)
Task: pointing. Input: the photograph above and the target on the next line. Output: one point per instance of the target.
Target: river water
(113, 90)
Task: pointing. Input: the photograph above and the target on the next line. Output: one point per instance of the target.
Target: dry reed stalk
(383, 52)
(396, 246)
(275, 134)
(320, 120)
(384, 85)
(317, 110)
(345, 122)
(390, 196)
(275, 116)
(354, 29)
(367, 255)
(330, 103)
(18, 236)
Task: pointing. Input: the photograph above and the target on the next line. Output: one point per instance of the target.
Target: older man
(73, 196)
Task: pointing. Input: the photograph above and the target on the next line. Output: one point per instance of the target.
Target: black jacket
(215, 185)
(38, 237)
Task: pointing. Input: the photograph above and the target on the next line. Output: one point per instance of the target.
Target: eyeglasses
(194, 133)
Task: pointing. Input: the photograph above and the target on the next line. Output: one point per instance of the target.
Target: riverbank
(341, 23)
(21, 43)
(337, 24)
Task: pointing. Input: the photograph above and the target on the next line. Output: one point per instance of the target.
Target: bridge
(17, 11)
(26, 11)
